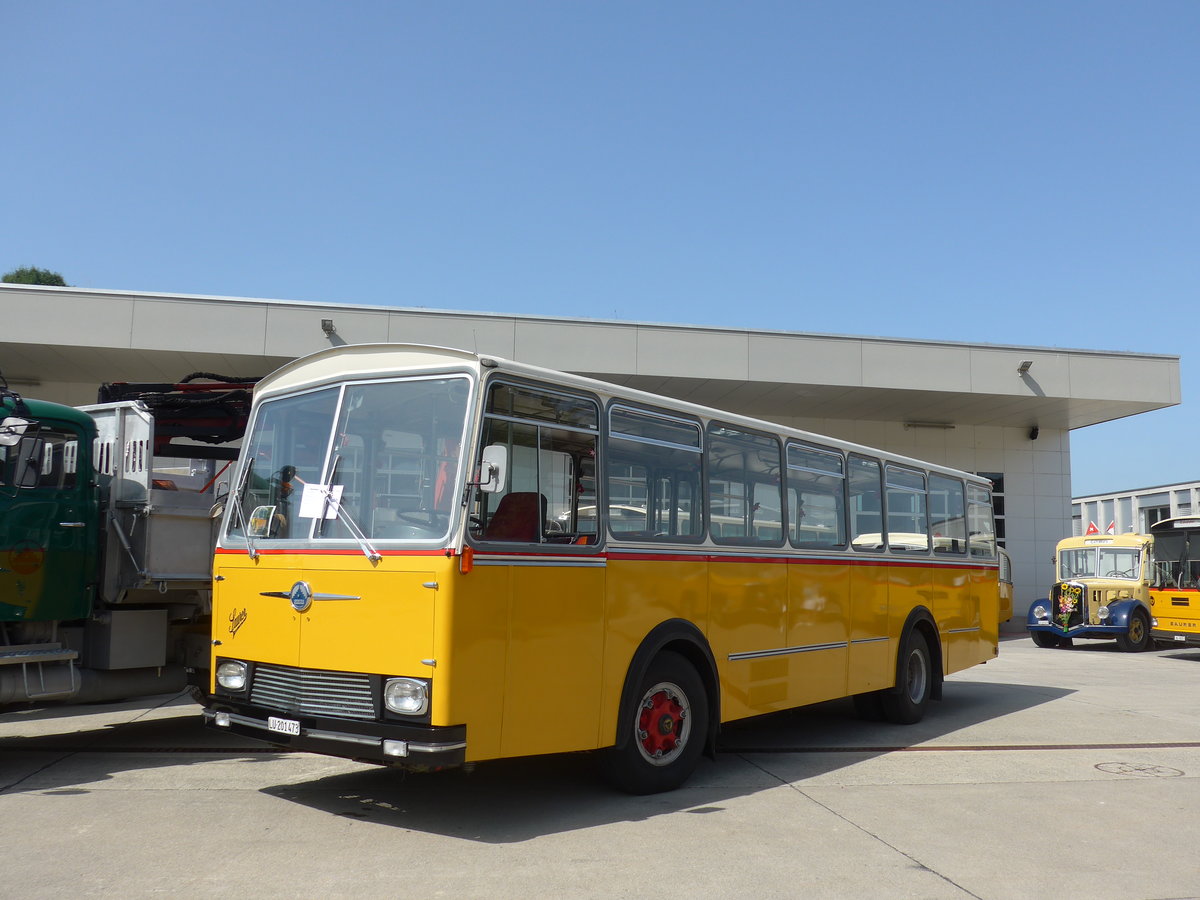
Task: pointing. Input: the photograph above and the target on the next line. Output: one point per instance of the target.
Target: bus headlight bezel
(406, 696)
(232, 675)
(1040, 612)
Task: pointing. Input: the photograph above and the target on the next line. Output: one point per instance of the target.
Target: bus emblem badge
(301, 596)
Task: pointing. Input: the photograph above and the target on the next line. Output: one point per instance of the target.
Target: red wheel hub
(660, 723)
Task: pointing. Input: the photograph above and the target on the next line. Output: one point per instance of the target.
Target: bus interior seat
(519, 517)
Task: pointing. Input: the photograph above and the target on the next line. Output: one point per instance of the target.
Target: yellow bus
(1175, 586)
(431, 558)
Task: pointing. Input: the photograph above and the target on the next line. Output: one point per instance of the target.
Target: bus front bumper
(1179, 638)
(386, 743)
(1080, 631)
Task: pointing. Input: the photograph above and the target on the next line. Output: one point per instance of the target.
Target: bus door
(536, 555)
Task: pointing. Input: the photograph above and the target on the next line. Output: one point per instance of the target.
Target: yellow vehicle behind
(1175, 590)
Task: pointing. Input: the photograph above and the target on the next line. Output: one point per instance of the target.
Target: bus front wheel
(1045, 639)
(1137, 637)
(905, 703)
(669, 723)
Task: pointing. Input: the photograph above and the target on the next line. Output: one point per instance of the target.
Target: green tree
(30, 275)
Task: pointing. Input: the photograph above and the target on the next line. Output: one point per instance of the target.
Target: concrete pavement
(1066, 773)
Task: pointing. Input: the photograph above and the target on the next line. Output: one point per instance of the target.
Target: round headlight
(1039, 612)
(232, 675)
(406, 696)
(1102, 612)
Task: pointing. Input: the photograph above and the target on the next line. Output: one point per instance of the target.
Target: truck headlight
(1102, 612)
(1039, 612)
(407, 696)
(231, 675)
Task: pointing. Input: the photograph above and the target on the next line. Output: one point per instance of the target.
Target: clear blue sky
(1008, 172)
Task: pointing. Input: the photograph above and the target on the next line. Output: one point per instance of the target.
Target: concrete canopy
(61, 343)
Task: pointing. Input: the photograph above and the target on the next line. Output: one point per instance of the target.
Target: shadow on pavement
(509, 801)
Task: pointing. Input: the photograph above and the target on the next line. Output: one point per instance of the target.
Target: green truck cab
(106, 538)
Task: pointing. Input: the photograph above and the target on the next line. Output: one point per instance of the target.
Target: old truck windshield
(380, 461)
(1100, 562)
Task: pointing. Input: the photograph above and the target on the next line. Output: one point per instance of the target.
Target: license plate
(283, 726)
(1180, 637)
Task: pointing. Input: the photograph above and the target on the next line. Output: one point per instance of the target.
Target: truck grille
(346, 695)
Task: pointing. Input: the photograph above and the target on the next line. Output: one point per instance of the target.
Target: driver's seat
(519, 517)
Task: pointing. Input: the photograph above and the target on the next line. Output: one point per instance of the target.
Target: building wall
(1135, 510)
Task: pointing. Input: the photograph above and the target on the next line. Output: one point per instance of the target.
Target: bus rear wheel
(668, 722)
(905, 703)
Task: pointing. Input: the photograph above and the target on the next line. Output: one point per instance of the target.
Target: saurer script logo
(236, 620)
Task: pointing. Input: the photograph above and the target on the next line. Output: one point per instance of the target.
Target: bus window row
(671, 479)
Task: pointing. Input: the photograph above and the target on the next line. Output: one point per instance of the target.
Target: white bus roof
(354, 362)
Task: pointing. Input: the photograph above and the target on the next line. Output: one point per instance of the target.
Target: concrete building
(1003, 411)
(1134, 510)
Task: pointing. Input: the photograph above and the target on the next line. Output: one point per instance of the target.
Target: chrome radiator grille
(312, 691)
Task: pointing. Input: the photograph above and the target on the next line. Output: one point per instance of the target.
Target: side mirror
(493, 469)
(29, 462)
(222, 494)
(11, 430)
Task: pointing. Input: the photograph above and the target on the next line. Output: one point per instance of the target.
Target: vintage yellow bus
(1175, 585)
(431, 558)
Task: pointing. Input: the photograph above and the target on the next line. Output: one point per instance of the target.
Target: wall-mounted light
(1033, 433)
(327, 326)
(1025, 366)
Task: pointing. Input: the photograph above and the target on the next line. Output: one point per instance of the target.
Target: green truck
(106, 537)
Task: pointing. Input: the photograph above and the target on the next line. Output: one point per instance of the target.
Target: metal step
(35, 653)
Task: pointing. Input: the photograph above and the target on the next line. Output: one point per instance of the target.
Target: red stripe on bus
(234, 551)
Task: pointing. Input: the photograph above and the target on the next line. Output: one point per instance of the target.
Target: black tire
(1045, 639)
(667, 722)
(1137, 637)
(905, 703)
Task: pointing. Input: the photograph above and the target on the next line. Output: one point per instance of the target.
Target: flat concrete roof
(57, 337)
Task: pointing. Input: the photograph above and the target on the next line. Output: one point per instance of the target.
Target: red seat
(519, 517)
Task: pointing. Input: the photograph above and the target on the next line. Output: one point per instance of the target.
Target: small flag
(1092, 529)
(1112, 528)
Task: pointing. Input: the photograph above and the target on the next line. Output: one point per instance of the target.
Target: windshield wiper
(342, 513)
(251, 550)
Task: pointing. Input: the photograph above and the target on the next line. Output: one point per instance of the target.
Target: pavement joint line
(862, 828)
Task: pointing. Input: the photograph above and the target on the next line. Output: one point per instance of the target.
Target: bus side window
(907, 504)
(980, 524)
(653, 476)
(866, 504)
(551, 439)
(948, 515)
(745, 501)
(816, 495)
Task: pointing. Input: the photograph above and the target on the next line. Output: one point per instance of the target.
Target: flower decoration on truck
(1070, 597)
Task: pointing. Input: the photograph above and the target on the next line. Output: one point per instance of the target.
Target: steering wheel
(426, 518)
(1117, 573)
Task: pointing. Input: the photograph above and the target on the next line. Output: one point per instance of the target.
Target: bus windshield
(1100, 562)
(379, 460)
